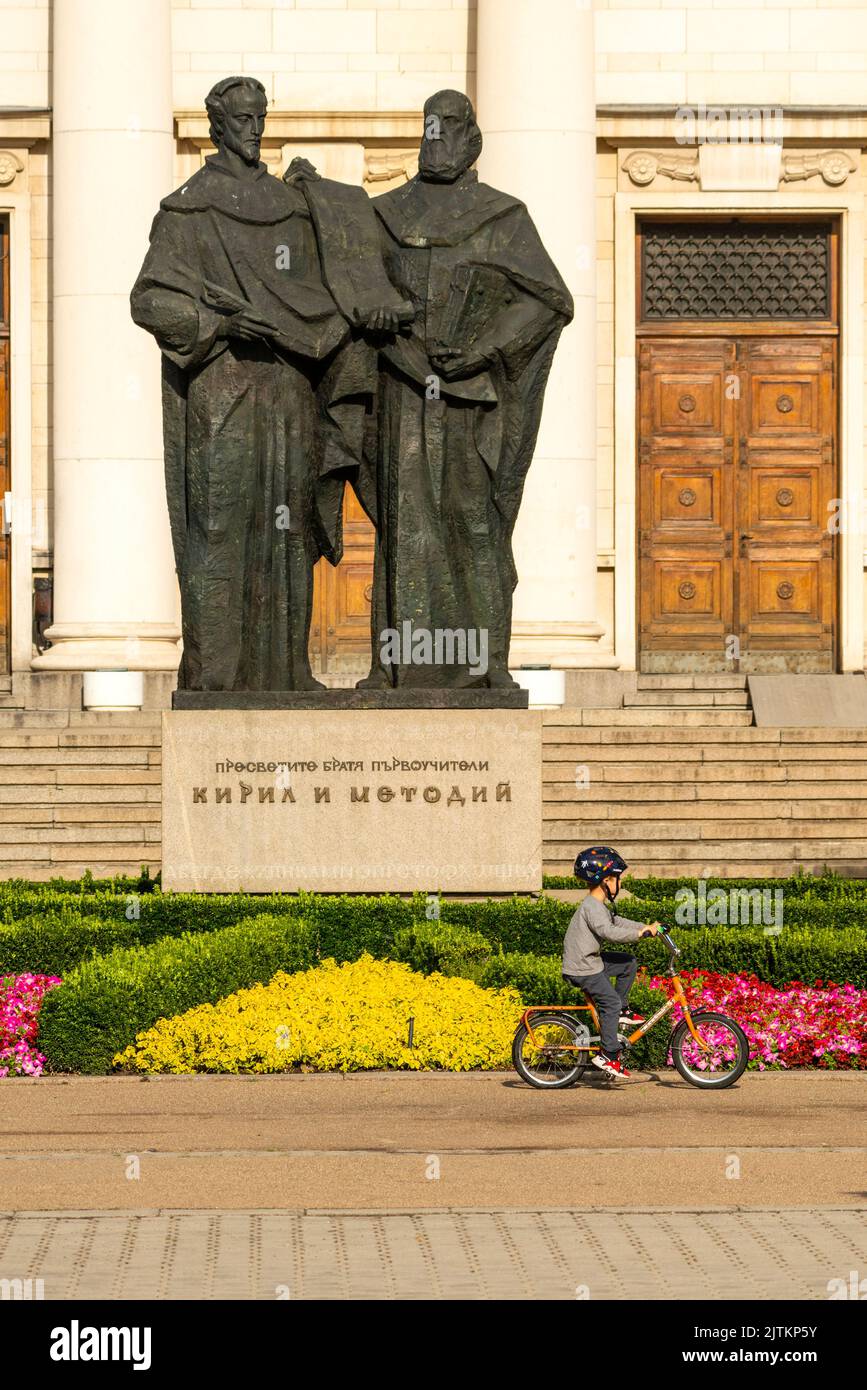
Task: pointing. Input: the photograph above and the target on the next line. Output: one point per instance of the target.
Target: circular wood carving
(785, 590)
(785, 404)
(785, 497)
(687, 589)
(368, 592)
(686, 404)
(687, 497)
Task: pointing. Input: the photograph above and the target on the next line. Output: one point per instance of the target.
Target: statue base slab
(404, 698)
(352, 800)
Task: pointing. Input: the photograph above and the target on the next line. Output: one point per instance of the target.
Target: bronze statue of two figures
(312, 337)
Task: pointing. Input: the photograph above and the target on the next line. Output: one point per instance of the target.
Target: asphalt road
(415, 1142)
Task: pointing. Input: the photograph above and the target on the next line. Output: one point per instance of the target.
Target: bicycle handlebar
(674, 950)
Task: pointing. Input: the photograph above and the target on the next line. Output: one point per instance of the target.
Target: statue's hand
(299, 171)
(248, 326)
(382, 321)
(455, 363)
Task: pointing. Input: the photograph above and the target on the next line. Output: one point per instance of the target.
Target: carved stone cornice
(833, 166)
(383, 166)
(642, 166)
(21, 128)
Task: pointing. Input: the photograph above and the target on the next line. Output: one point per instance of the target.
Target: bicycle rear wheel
(551, 1062)
(723, 1063)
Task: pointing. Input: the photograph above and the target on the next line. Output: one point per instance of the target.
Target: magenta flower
(20, 1000)
(823, 1025)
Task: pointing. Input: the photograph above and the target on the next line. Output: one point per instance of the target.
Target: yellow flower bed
(337, 1018)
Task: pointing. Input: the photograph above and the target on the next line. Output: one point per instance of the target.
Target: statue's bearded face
(244, 121)
(451, 140)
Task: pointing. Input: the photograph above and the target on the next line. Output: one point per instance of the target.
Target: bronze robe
(259, 436)
(444, 483)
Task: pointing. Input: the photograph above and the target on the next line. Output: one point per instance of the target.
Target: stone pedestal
(359, 801)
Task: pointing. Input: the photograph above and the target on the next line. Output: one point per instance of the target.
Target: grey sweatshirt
(592, 924)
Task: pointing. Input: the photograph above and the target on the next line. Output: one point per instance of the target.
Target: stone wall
(786, 52)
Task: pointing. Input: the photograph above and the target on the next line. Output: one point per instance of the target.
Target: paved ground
(433, 1185)
(436, 1255)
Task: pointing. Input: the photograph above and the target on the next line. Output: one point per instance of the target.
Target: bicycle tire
(696, 1078)
(532, 1078)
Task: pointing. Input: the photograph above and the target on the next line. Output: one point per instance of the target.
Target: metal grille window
(736, 270)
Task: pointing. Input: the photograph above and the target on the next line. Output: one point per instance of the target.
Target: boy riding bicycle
(589, 967)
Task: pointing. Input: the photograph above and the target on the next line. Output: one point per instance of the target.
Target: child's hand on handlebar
(651, 929)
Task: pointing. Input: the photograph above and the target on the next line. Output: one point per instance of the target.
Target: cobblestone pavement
(554, 1254)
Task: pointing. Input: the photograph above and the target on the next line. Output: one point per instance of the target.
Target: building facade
(697, 172)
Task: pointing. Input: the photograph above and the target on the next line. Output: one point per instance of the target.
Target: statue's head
(236, 108)
(452, 141)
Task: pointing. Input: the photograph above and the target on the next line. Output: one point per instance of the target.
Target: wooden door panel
(685, 488)
(785, 601)
(785, 494)
(689, 596)
(786, 573)
(687, 495)
(784, 404)
(688, 401)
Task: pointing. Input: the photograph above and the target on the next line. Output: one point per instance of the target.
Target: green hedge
(821, 938)
(103, 1004)
(839, 954)
(825, 886)
(53, 933)
(54, 943)
(443, 946)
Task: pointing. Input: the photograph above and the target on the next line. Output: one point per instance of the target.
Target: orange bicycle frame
(678, 997)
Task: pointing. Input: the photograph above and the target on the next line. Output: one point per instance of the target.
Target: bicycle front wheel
(723, 1061)
(548, 1059)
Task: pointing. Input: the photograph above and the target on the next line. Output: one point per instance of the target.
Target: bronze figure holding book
(458, 408)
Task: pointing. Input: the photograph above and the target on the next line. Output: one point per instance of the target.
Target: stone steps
(666, 717)
(732, 801)
(687, 699)
(675, 795)
(709, 699)
(698, 682)
(79, 791)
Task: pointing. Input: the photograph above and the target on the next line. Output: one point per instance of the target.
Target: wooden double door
(737, 480)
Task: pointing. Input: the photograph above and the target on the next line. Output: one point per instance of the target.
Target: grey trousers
(611, 1000)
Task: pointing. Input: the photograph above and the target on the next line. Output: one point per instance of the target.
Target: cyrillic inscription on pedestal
(352, 800)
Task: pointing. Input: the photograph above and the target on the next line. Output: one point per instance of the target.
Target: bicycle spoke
(721, 1055)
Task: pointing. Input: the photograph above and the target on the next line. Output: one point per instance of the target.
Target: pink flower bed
(20, 1000)
(818, 1025)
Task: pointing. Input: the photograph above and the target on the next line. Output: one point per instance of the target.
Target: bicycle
(553, 1051)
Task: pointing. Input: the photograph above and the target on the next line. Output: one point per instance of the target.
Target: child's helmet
(596, 863)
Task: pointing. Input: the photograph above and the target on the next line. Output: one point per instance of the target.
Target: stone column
(537, 111)
(115, 594)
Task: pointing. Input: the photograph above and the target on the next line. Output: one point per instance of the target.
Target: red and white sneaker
(610, 1068)
(631, 1019)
